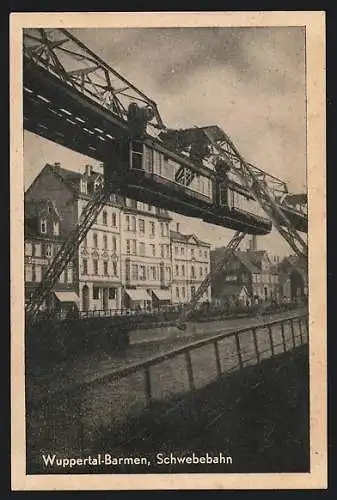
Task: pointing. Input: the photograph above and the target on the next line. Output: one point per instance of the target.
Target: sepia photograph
(167, 278)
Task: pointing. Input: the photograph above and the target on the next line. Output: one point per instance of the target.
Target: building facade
(251, 269)
(190, 266)
(126, 260)
(43, 239)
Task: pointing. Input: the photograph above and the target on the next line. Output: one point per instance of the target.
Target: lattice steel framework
(62, 54)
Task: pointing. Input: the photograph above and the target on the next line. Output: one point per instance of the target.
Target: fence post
(270, 333)
(307, 326)
(189, 370)
(217, 359)
(283, 337)
(300, 329)
(256, 345)
(238, 349)
(147, 381)
(292, 332)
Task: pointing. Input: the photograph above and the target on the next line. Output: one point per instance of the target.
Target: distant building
(251, 270)
(190, 266)
(43, 239)
(293, 278)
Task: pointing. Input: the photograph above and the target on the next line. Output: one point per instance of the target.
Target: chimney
(57, 165)
(253, 243)
(88, 170)
(177, 227)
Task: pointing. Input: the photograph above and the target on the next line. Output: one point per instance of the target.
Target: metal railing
(123, 392)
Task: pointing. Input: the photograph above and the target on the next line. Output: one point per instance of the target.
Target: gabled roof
(34, 208)
(186, 238)
(245, 260)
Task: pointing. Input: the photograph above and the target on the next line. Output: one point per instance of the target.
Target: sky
(249, 81)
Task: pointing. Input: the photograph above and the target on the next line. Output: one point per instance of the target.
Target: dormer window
(56, 228)
(43, 226)
(84, 186)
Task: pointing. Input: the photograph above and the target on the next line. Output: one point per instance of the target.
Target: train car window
(148, 163)
(136, 155)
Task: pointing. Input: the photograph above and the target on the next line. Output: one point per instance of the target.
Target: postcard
(168, 258)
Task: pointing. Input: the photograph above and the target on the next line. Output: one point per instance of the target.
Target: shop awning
(137, 295)
(67, 297)
(162, 294)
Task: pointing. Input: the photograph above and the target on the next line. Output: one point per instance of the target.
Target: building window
(183, 270)
(112, 293)
(168, 273)
(114, 243)
(183, 292)
(142, 249)
(114, 219)
(192, 253)
(128, 247)
(95, 262)
(192, 272)
(48, 250)
(28, 249)
(205, 254)
(133, 223)
(114, 268)
(177, 292)
(127, 222)
(43, 226)
(206, 271)
(56, 228)
(153, 250)
(192, 291)
(182, 251)
(200, 252)
(177, 270)
(95, 238)
(162, 230)
(84, 186)
(105, 241)
(70, 275)
(28, 272)
(152, 228)
(162, 251)
(153, 272)
(201, 272)
(85, 241)
(142, 273)
(176, 250)
(142, 225)
(105, 268)
(168, 251)
(95, 292)
(85, 266)
(134, 272)
(105, 217)
(149, 207)
(36, 250)
(33, 272)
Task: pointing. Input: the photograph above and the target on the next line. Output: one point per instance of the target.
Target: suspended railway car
(155, 175)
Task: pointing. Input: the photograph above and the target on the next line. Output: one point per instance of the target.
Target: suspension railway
(75, 99)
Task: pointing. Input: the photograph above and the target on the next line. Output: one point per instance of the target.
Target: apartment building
(146, 257)
(190, 265)
(43, 239)
(125, 259)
